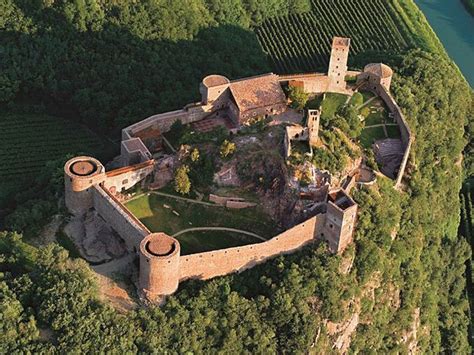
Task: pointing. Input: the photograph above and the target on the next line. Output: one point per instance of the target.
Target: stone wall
(130, 229)
(406, 136)
(225, 261)
(125, 178)
(164, 121)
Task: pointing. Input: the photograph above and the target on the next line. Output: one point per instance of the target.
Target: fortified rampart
(161, 265)
(130, 229)
(225, 261)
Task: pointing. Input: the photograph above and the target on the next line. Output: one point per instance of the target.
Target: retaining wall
(222, 262)
(406, 136)
(130, 229)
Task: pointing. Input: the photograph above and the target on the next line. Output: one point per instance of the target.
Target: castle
(161, 266)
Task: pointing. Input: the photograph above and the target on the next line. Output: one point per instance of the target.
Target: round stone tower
(80, 174)
(212, 87)
(378, 73)
(159, 265)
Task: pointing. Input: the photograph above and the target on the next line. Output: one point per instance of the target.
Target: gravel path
(219, 229)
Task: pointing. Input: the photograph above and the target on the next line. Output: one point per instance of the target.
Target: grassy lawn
(331, 104)
(201, 241)
(369, 135)
(393, 131)
(367, 95)
(375, 118)
(152, 212)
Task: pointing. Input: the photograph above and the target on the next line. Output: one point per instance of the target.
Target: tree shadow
(111, 77)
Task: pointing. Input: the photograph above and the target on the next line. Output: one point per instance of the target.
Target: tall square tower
(340, 220)
(338, 63)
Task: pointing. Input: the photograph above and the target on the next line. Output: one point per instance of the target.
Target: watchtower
(341, 216)
(212, 87)
(159, 265)
(375, 74)
(338, 63)
(80, 174)
(313, 126)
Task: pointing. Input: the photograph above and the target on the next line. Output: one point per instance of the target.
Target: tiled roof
(379, 69)
(258, 91)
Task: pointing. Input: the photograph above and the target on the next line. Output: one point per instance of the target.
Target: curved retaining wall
(407, 137)
(225, 261)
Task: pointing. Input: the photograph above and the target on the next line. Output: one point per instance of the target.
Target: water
(455, 28)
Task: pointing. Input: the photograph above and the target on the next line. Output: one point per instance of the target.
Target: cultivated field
(301, 43)
(29, 141)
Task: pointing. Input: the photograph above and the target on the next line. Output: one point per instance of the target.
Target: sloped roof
(258, 91)
(379, 69)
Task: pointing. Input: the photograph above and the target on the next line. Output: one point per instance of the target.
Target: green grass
(201, 241)
(393, 131)
(367, 95)
(375, 118)
(369, 135)
(152, 212)
(331, 103)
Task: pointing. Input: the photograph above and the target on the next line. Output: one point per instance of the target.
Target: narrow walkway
(381, 124)
(366, 103)
(175, 197)
(219, 229)
(114, 266)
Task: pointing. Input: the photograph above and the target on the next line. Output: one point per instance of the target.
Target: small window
(331, 226)
(125, 181)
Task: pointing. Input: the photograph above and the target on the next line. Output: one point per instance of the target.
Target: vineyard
(29, 141)
(301, 43)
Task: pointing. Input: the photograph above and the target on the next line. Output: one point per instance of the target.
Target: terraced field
(29, 141)
(301, 43)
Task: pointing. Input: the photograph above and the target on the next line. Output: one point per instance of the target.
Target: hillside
(399, 288)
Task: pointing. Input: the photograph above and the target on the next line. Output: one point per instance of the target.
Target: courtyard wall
(225, 261)
(130, 229)
(406, 136)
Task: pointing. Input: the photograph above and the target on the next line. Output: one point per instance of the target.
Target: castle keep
(88, 186)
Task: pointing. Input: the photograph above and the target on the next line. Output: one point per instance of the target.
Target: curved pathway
(219, 229)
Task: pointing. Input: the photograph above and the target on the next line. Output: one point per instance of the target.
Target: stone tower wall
(130, 229)
(313, 126)
(159, 274)
(78, 188)
(339, 226)
(338, 63)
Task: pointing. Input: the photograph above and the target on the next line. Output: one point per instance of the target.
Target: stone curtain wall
(130, 229)
(407, 138)
(222, 262)
(164, 121)
(125, 178)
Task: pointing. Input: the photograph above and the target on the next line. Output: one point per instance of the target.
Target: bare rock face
(96, 241)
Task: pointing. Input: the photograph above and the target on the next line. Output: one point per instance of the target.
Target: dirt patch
(94, 239)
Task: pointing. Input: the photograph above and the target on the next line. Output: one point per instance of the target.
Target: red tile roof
(258, 91)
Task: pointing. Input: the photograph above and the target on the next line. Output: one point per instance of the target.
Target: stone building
(244, 99)
(340, 220)
(338, 63)
(376, 74)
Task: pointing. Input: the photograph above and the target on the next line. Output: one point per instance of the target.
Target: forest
(106, 64)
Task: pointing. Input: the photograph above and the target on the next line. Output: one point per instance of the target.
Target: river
(455, 28)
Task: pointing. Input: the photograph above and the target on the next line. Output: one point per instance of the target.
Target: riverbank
(454, 27)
